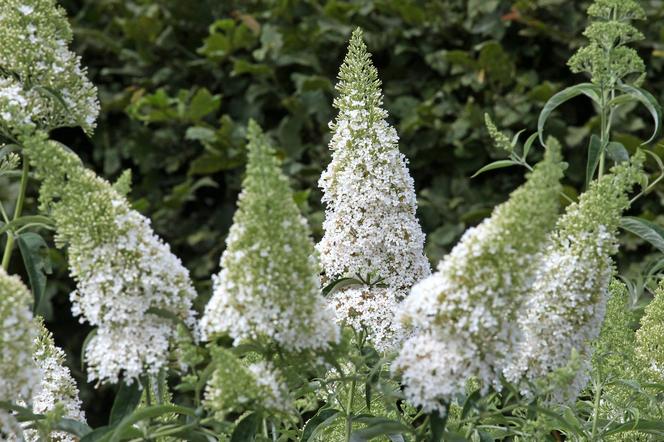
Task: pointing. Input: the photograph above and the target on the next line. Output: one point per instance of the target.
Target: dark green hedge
(179, 79)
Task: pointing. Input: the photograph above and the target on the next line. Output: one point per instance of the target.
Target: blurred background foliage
(178, 81)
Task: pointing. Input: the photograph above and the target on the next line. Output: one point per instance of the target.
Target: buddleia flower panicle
(567, 300)
(606, 58)
(19, 375)
(500, 140)
(269, 286)
(614, 349)
(463, 314)
(615, 359)
(238, 386)
(58, 390)
(121, 268)
(42, 83)
(370, 224)
(650, 335)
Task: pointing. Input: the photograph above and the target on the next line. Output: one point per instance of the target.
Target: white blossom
(371, 229)
(34, 54)
(463, 314)
(268, 286)
(372, 310)
(126, 277)
(57, 387)
(19, 375)
(275, 393)
(567, 300)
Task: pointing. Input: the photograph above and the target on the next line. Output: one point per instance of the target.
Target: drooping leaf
(437, 425)
(377, 426)
(338, 284)
(74, 427)
(246, 428)
(587, 89)
(34, 251)
(317, 423)
(646, 230)
(126, 401)
(528, 144)
(495, 165)
(649, 101)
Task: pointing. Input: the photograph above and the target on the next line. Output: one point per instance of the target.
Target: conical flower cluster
(614, 350)
(57, 387)
(121, 268)
(19, 375)
(567, 301)
(615, 359)
(650, 336)
(42, 82)
(269, 286)
(464, 313)
(237, 386)
(371, 230)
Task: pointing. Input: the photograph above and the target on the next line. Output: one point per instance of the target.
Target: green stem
(349, 409)
(9, 247)
(602, 136)
(598, 395)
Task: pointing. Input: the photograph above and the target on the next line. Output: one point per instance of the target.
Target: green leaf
(98, 434)
(617, 152)
(126, 401)
(203, 103)
(650, 102)
(339, 284)
(25, 220)
(377, 426)
(147, 413)
(644, 229)
(245, 430)
(202, 134)
(207, 164)
(529, 143)
(317, 423)
(437, 425)
(587, 89)
(71, 426)
(254, 69)
(642, 425)
(594, 154)
(86, 341)
(471, 400)
(34, 251)
(500, 164)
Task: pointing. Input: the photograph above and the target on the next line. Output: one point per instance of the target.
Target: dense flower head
(463, 313)
(236, 385)
(606, 58)
(19, 375)
(36, 60)
(370, 309)
(614, 360)
(650, 336)
(121, 268)
(269, 283)
(567, 301)
(371, 229)
(57, 387)
(614, 348)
